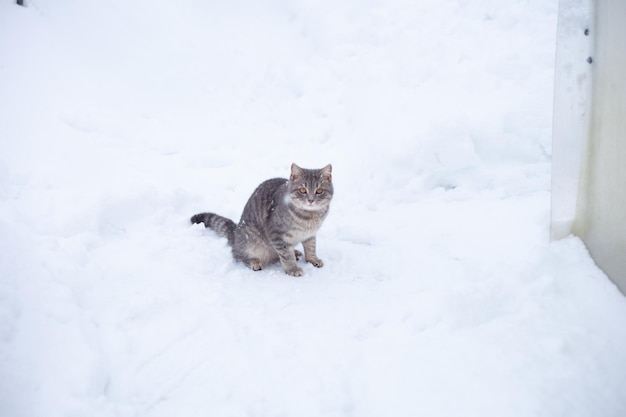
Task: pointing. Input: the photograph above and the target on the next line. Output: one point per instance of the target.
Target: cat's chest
(303, 228)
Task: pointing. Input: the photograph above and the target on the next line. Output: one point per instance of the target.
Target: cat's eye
(319, 191)
(302, 190)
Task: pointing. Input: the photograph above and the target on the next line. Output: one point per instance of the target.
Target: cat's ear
(326, 173)
(296, 172)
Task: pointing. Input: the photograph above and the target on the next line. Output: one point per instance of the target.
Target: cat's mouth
(310, 206)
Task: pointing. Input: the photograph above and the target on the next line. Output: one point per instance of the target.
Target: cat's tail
(220, 225)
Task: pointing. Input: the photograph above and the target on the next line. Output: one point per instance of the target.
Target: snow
(441, 294)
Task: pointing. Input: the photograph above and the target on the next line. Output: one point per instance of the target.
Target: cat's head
(311, 189)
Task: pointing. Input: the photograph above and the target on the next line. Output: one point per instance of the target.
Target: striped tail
(221, 225)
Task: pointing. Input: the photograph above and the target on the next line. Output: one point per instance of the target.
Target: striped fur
(279, 215)
(221, 225)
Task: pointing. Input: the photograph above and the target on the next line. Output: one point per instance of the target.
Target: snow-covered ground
(441, 294)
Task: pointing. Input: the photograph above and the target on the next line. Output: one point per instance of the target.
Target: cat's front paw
(294, 272)
(317, 262)
(256, 264)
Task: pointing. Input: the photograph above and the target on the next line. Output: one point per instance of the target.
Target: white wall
(601, 209)
(589, 136)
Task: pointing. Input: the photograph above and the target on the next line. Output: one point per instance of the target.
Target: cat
(280, 214)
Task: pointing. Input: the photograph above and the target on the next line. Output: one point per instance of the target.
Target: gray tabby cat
(280, 214)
